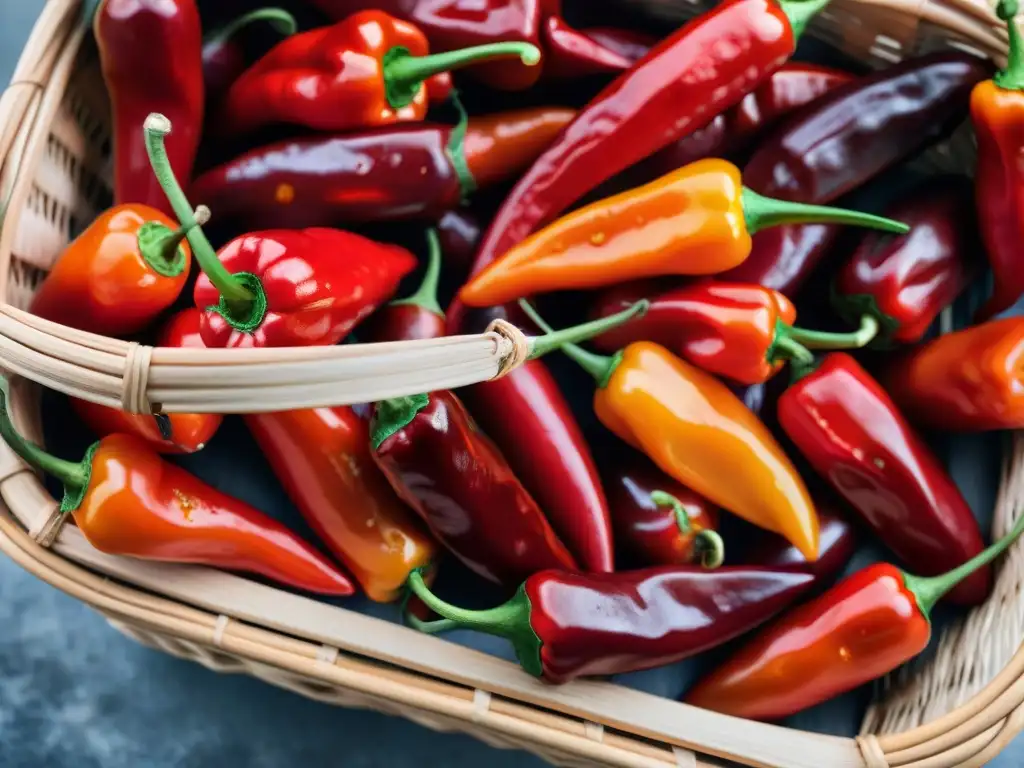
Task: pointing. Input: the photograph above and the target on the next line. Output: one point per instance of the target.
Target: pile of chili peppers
(691, 221)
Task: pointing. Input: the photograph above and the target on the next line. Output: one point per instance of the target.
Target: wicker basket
(960, 708)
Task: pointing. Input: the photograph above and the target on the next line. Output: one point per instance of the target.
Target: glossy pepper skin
(454, 477)
(565, 626)
(997, 114)
(843, 140)
(677, 89)
(460, 233)
(399, 172)
(905, 282)
(967, 381)
(170, 433)
(322, 458)
(854, 436)
(128, 266)
(128, 501)
(223, 56)
(369, 69)
(862, 628)
(697, 220)
(151, 56)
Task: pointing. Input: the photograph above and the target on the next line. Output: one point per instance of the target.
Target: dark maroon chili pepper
(223, 56)
(416, 317)
(627, 43)
(570, 53)
(851, 432)
(460, 234)
(564, 626)
(840, 142)
(905, 281)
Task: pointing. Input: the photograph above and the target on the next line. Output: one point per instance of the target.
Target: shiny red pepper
(905, 281)
(223, 57)
(151, 55)
(851, 432)
(705, 67)
(864, 627)
(400, 172)
(842, 141)
(416, 317)
(570, 53)
(369, 69)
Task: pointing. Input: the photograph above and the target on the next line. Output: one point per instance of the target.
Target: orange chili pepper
(697, 431)
(697, 220)
(126, 268)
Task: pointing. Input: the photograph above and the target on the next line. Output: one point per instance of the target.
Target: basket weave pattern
(959, 708)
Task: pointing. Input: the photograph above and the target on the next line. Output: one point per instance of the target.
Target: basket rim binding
(403, 666)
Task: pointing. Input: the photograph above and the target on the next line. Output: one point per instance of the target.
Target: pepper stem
(1011, 78)
(800, 12)
(601, 367)
(710, 548)
(160, 246)
(234, 292)
(404, 73)
(929, 590)
(869, 328)
(282, 22)
(390, 416)
(425, 296)
(414, 621)
(552, 340)
(510, 621)
(663, 499)
(783, 347)
(762, 212)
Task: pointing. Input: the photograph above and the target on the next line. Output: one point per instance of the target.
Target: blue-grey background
(73, 692)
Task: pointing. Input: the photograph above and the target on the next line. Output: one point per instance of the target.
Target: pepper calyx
(244, 316)
(1012, 77)
(394, 414)
(160, 246)
(854, 307)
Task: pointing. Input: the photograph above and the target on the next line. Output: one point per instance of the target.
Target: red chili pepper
(627, 43)
(401, 172)
(570, 53)
(997, 114)
(707, 66)
(861, 629)
(842, 141)
(739, 331)
(223, 56)
(851, 432)
(128, 501)
(565, 626)
(905, 281)
(151, 54)
(170, 433)
(367, 70)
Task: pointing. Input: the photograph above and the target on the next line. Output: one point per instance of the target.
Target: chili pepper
(851, 432)
(127, 267)
(400, 172)
(151, 56)
(281, 288)
(223, 56)
(657, 520)
(700, 433)
(627, 43)
(459, 233)
(322, 458)
(164, 433)
(367, 70)
(838, 543)
(739, 331)
(697, 220)
(843, 140)
(997, 114)
(445, 468)
(865, 626)
(570, 53)
(704, 68)
(905, 282)
(128, 501)
(967, 381)
(565, 625)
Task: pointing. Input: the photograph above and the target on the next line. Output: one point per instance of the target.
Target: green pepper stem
(425, 296)
(160, 246)
(762, 212)
(552, 340)
(869, 327)
(282, 22)
(800, 13)
(156, 128)
(601, 367)
(426, 627)
(709, 547)
(664, 499)
(929, 590)
(785, 348)
(1011, 78)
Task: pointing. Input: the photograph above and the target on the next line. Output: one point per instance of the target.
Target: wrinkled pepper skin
(905, 281)
(851, 432)
(188, 432)
(151, 56)
(322, 458)
(454, 477)
(967, 381)
(837, 538)
(395, 173)
(843, 140)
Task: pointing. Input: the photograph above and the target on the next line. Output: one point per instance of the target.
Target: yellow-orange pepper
(697, 220)
(696, 430)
